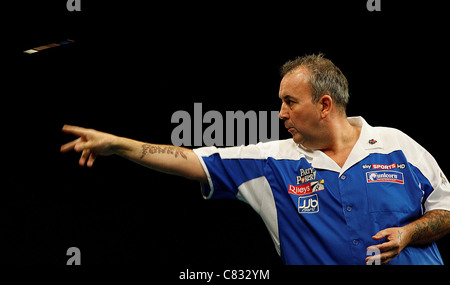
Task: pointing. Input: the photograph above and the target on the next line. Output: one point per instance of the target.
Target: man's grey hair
(324, 77)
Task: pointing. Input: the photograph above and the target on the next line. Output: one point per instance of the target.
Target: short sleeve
(434, 184)
(227, 168)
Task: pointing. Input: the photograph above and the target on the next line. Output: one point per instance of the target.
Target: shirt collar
(369, 139)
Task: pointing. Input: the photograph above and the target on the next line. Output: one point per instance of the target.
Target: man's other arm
(430, 227)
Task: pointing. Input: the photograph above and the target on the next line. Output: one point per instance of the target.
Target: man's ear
(325, 105)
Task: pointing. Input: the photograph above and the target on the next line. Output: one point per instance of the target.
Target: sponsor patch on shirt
(384, 166)
(307, 188)
(308, 204)
(443, 178)
(385, 176)
(306, 175)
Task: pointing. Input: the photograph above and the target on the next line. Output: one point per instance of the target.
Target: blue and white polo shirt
(319, 213)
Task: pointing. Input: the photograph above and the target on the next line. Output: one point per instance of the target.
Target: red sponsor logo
(300, 190)
(306, 188)
(384, 166)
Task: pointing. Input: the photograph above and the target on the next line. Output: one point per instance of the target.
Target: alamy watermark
(237, 128)
(73, 5)
(373, 5)
(75, 254)
(374, 254)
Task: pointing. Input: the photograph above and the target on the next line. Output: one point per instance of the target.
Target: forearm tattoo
(173, 150)
(434, 226)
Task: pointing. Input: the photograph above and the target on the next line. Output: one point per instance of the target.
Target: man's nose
(284, 115)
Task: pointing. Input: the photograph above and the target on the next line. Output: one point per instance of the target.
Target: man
(335, 193)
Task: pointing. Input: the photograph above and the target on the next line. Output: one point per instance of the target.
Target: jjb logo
(308, 204)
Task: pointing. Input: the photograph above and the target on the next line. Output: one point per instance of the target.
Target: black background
(133, 65)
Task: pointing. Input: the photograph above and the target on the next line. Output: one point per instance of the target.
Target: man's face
(301, 116)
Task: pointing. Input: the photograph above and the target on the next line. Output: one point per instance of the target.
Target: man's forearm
(430, 227)
(164, 158)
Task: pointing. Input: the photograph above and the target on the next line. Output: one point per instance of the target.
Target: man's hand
(396, 242)
(90, 142)
(430, 227)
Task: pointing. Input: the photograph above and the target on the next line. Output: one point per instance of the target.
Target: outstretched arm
(164, 158)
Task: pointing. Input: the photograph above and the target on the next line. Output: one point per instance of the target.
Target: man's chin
(298, 138)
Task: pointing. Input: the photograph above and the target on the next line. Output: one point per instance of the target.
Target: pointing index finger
(74, 130)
